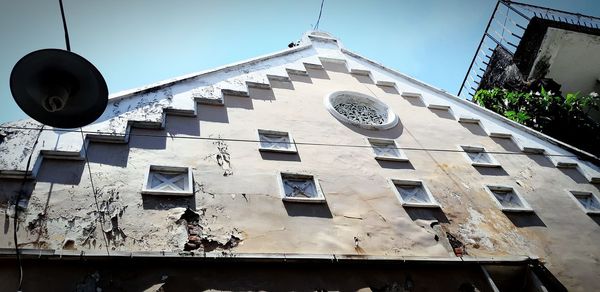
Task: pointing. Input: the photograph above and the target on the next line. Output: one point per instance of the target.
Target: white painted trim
(573, 195)
(478, 149)
(158, 168)
(525, 206)
(400, 182)
(392, 118)
(292, 143)
(320, 196)
(401, 158)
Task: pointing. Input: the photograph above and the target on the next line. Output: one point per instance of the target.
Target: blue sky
(137, 42)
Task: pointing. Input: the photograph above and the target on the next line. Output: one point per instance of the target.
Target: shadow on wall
(392, 133)
(427, 214)
(396, 164)
(261, 94)
(525, 219)
(280, 156)
(413, 100)
(148, 139)
(320, 210)
(238, 102)
(178, 125)
(317, 73)
(109, 154)
(507, 144)
(363, 79)
(497, 171)
(65, 172)
(281, 84)
(392, 90)
(575, 175)
(444, 114)
(9, 188)
(156, 202)
(335, 67)
(541, 159)
(475, 129)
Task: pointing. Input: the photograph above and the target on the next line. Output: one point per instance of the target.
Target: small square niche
(168, 180)
(300, 188)
(413, 193)
(479, 157)
(508, 199)
(276, 141)
(587, 201)
(386, 149)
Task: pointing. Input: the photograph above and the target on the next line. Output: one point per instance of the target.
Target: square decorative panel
(300, 188)
(385, 149)
(508, 199)
(413, 193)
(276, 141)
(168, 180)
(587, 201)
(479, 157)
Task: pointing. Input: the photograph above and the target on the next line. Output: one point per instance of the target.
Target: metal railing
(505, 29)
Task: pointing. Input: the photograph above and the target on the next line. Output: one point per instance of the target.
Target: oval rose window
(360, 110)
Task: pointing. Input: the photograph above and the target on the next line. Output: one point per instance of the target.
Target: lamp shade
(59, 88)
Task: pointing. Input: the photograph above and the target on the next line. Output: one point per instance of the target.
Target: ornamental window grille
(165, 180)
(413, 193)
(276, 141)
(361, 113)
(385, 149)
(479, 157)
(588, 201)
(508, 199)
(300, 188)
(360, 110)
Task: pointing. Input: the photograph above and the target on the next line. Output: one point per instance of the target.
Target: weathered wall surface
(242, 212)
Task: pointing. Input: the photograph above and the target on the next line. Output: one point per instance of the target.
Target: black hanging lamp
(59, 88)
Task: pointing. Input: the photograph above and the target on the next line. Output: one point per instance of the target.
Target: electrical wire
(316, 27)
(316, 144)
(94, 190)
(64, 20)
(17, 200)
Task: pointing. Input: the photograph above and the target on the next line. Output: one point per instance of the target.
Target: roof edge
(483, 110)
(167, 82)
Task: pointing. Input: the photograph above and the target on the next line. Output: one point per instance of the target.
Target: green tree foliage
(565, 118)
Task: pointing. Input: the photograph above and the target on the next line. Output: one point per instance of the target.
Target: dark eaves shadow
(595, 218)
(575, 175)
(392, 133)
(395, 164)
(497, 171)
(65, 172)
(363, 79)
(391, 90)
(335, 67)
(542, 160)
(280, 156)
(238, 102)
(281, 84)
(475, 129)
(529, 219)
(109, 154)
(166, 202)
(300, 78)
(427, 214)
(444, 114)
(148, 139)
(212, 113)
(320, 210)
(416, 101)
(507, 144)
(261, 94)
(317, 73)
(180, 125)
